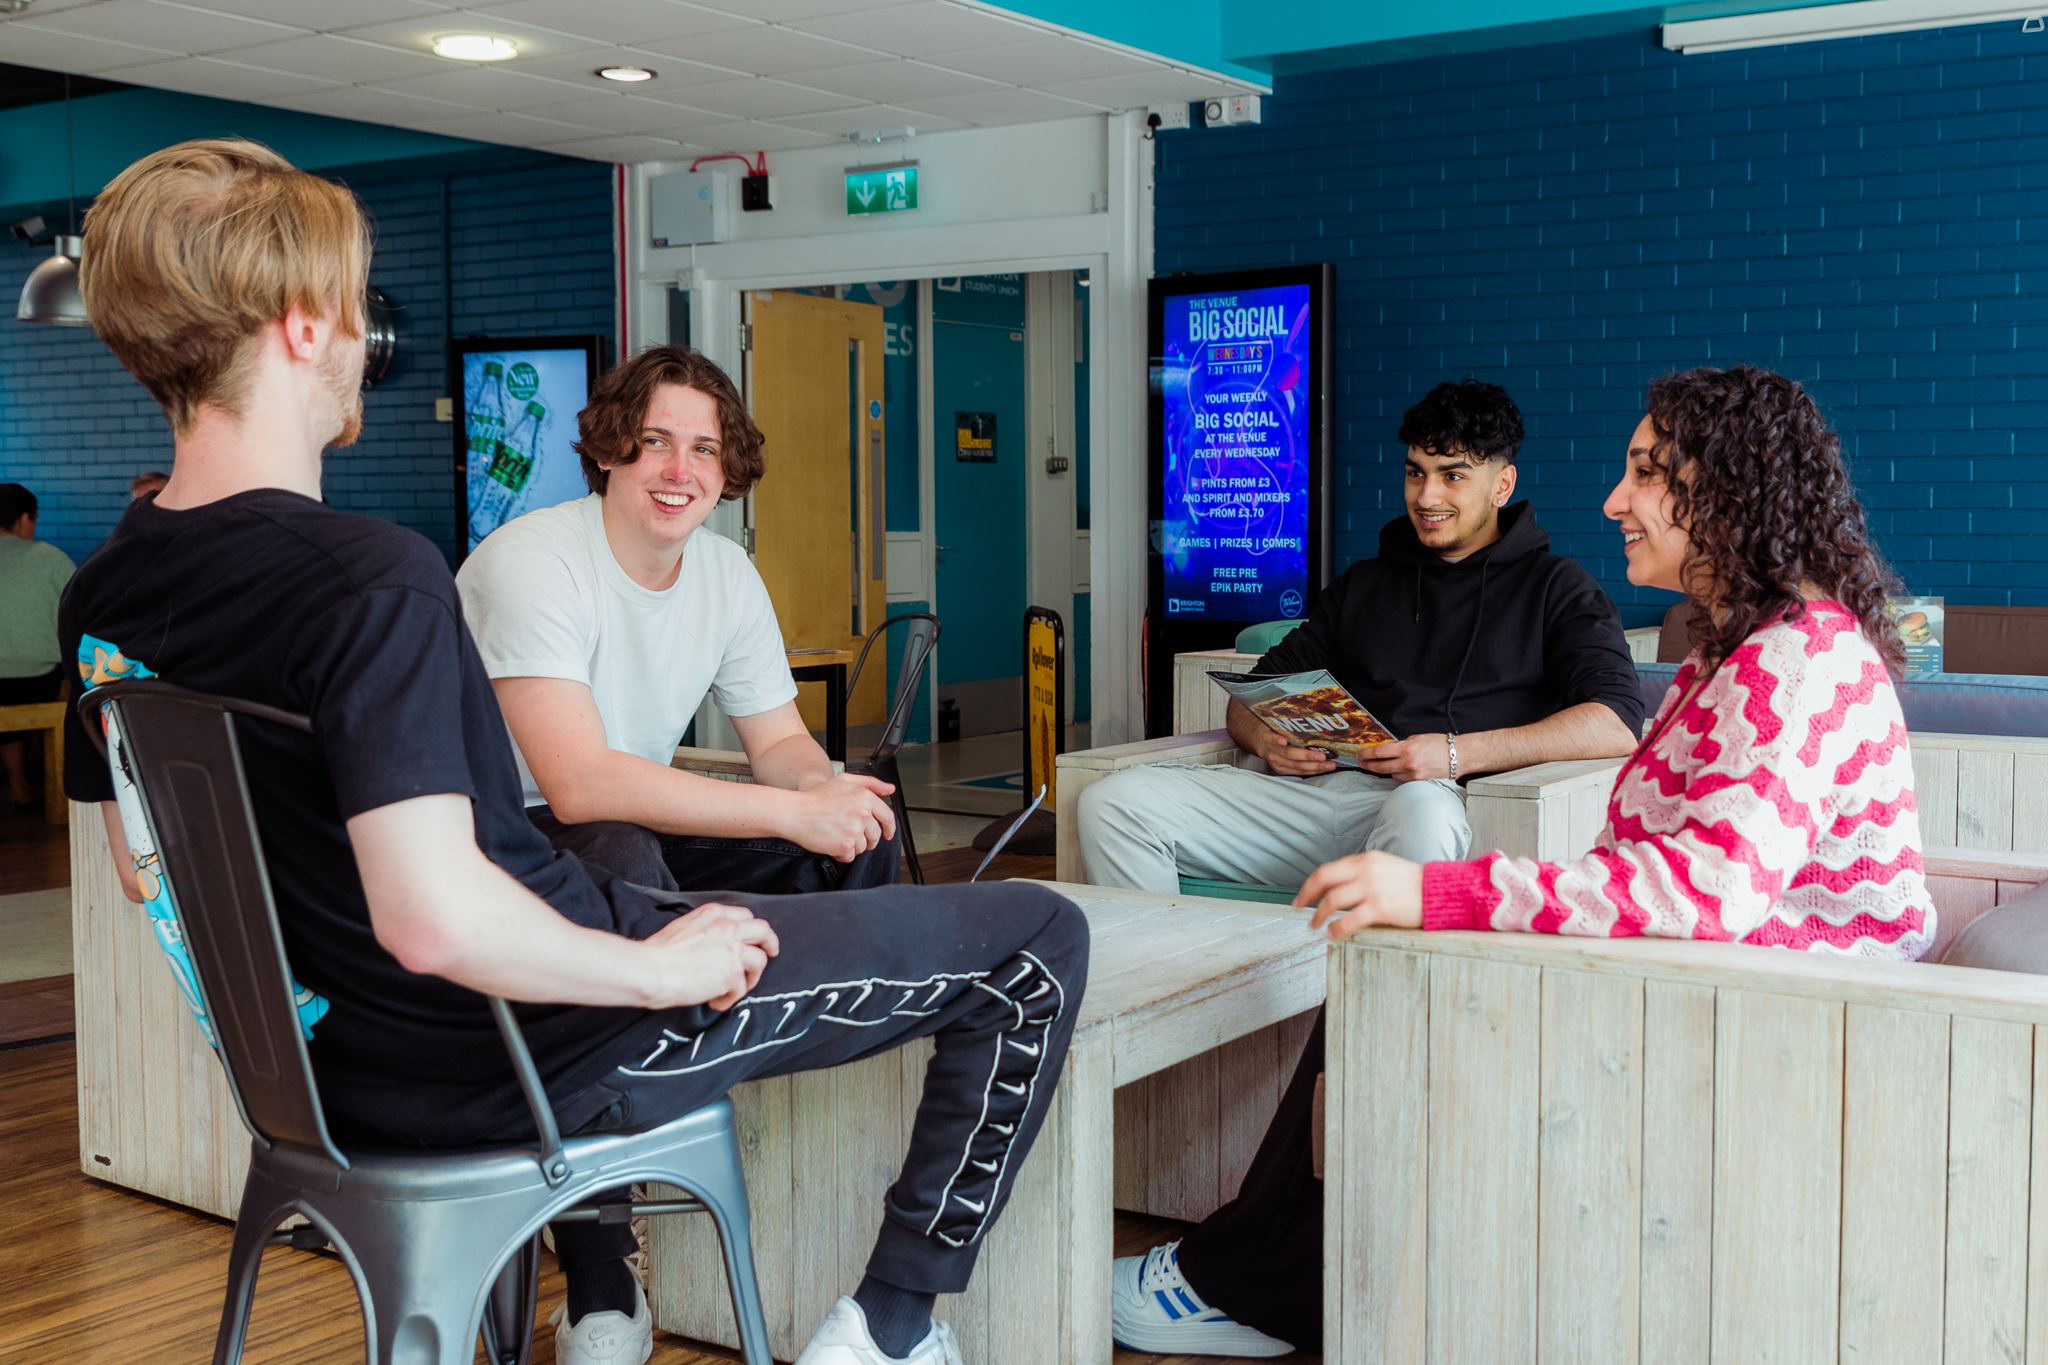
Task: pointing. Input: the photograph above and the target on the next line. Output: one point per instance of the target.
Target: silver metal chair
(918, 643)
(438, 1241)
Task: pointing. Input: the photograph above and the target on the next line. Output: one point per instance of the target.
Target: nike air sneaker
(1152, 1308)
(842, 1339)
(605, 1338)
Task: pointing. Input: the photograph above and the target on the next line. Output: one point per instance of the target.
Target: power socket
(1228, 110)
(754, 194)
(1165, 117)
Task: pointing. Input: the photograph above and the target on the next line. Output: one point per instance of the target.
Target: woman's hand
(1363, 891)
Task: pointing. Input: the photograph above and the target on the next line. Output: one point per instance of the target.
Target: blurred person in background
(32, 576)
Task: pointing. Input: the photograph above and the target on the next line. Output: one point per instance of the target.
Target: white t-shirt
(545, 599)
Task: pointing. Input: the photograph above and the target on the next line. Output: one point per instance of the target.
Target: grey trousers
(1145, 828)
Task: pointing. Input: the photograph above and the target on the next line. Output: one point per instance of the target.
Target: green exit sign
(881, 189)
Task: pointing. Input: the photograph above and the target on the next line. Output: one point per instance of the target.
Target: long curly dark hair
(1759, 485)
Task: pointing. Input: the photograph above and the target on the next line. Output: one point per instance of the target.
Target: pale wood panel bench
(1549, 1150)
(1171, 978)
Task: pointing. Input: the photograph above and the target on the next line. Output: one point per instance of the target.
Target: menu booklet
(1312, 709)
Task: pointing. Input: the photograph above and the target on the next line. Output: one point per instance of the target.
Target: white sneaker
(1152, 1308)
(605, 1338)
(842, 1339)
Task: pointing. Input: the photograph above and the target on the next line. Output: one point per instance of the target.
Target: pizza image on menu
(1312, 709)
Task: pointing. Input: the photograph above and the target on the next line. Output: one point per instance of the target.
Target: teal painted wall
(979, 367)
(110, 131)
(1189, 31)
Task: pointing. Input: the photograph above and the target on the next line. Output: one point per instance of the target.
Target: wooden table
(1178, 1027)
(827, 666)
(46, 717)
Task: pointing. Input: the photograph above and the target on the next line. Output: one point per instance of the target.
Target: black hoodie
(1506, 636)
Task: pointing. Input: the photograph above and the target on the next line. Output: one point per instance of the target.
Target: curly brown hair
(1760, 487)
(608, 428)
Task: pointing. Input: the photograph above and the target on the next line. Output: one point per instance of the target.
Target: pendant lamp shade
(51, 294)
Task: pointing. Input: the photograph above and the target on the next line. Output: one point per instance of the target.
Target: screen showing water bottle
(519, 408)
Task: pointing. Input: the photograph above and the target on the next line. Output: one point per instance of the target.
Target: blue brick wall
(1572, 220)
(512, 252)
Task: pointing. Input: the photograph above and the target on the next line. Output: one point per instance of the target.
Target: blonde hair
(193, 250)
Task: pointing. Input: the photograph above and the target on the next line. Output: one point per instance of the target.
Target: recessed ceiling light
(475, 47)
(628, 74)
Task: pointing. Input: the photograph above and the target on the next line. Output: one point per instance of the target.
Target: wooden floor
(94, 1275)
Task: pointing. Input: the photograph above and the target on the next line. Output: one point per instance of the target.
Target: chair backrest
(918, 642)
(180, 749)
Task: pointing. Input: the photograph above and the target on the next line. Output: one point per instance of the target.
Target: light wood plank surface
(1989, 1156)
(1777, 1179)
(1484, 1045)
(1984, 799)
(2037, 1236)
(1934, 791)
(1589, 1207)
(1678, 1173)
(1375, 1230)
(1894, 1212)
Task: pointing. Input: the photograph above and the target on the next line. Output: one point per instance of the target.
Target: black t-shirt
(272, 597)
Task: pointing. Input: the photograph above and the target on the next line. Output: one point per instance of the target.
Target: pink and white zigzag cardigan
(1775, 807)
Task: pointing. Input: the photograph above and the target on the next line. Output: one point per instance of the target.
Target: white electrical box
(688, 208)
(1225, 110)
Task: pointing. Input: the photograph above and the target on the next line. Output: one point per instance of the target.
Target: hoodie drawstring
(1478, 620)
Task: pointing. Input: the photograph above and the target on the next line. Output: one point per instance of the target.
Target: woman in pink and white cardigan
(1772, 800)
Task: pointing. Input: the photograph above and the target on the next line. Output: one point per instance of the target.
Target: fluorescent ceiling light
(629, 74)
(1841, 21)
(475, 47)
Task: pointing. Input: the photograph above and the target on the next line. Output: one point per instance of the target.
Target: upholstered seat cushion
(2009, 938)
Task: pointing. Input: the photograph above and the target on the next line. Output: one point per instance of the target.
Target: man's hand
(1361, 891)
(844, 817)
(1418, 758)
(1288, 759)
(712, 956)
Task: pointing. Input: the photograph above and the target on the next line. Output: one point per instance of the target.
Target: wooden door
(815, 388)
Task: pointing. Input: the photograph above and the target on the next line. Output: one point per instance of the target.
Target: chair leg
(724, 1193)
(245, 1259)
(508, 1317)
(903, 833)
(418, 1269)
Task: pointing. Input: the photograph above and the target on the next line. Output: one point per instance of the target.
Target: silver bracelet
(1454, 756)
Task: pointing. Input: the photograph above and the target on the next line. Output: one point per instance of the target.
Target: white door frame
(1113, 244)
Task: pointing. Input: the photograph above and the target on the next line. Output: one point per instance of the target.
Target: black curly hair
(1470, 416)
(1760, 487)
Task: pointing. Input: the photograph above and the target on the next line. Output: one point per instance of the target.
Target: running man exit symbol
(881, 189)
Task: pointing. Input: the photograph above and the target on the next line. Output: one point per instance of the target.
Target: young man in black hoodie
(1485, 652)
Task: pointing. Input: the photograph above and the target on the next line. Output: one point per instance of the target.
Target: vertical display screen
(519, 414)
(1237, 428)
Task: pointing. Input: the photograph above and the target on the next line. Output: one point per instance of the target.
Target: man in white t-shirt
(605, 622)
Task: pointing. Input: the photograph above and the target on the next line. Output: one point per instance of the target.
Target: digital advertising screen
(1239, 423)
(516, 404)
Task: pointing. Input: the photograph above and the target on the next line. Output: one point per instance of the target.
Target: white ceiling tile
(483, 87)
(317, 16)
(893, 82)
(618, 21)
(768, 50)
(783, 11)
(153, 23)
(417, 35)
(623, 149)
(368, 104)
(760, 97)
(51, 7)
(224, 80)
(872, 118)
(1046, 60)
(922, 28)
(517, 130)
(582, 68)
(339, 59)
(1164, 86)
(26, 45)
(1005, 105)
(747, 136)
(610, 113)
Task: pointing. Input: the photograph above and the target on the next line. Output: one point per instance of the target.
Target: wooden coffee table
(1191, 1007)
